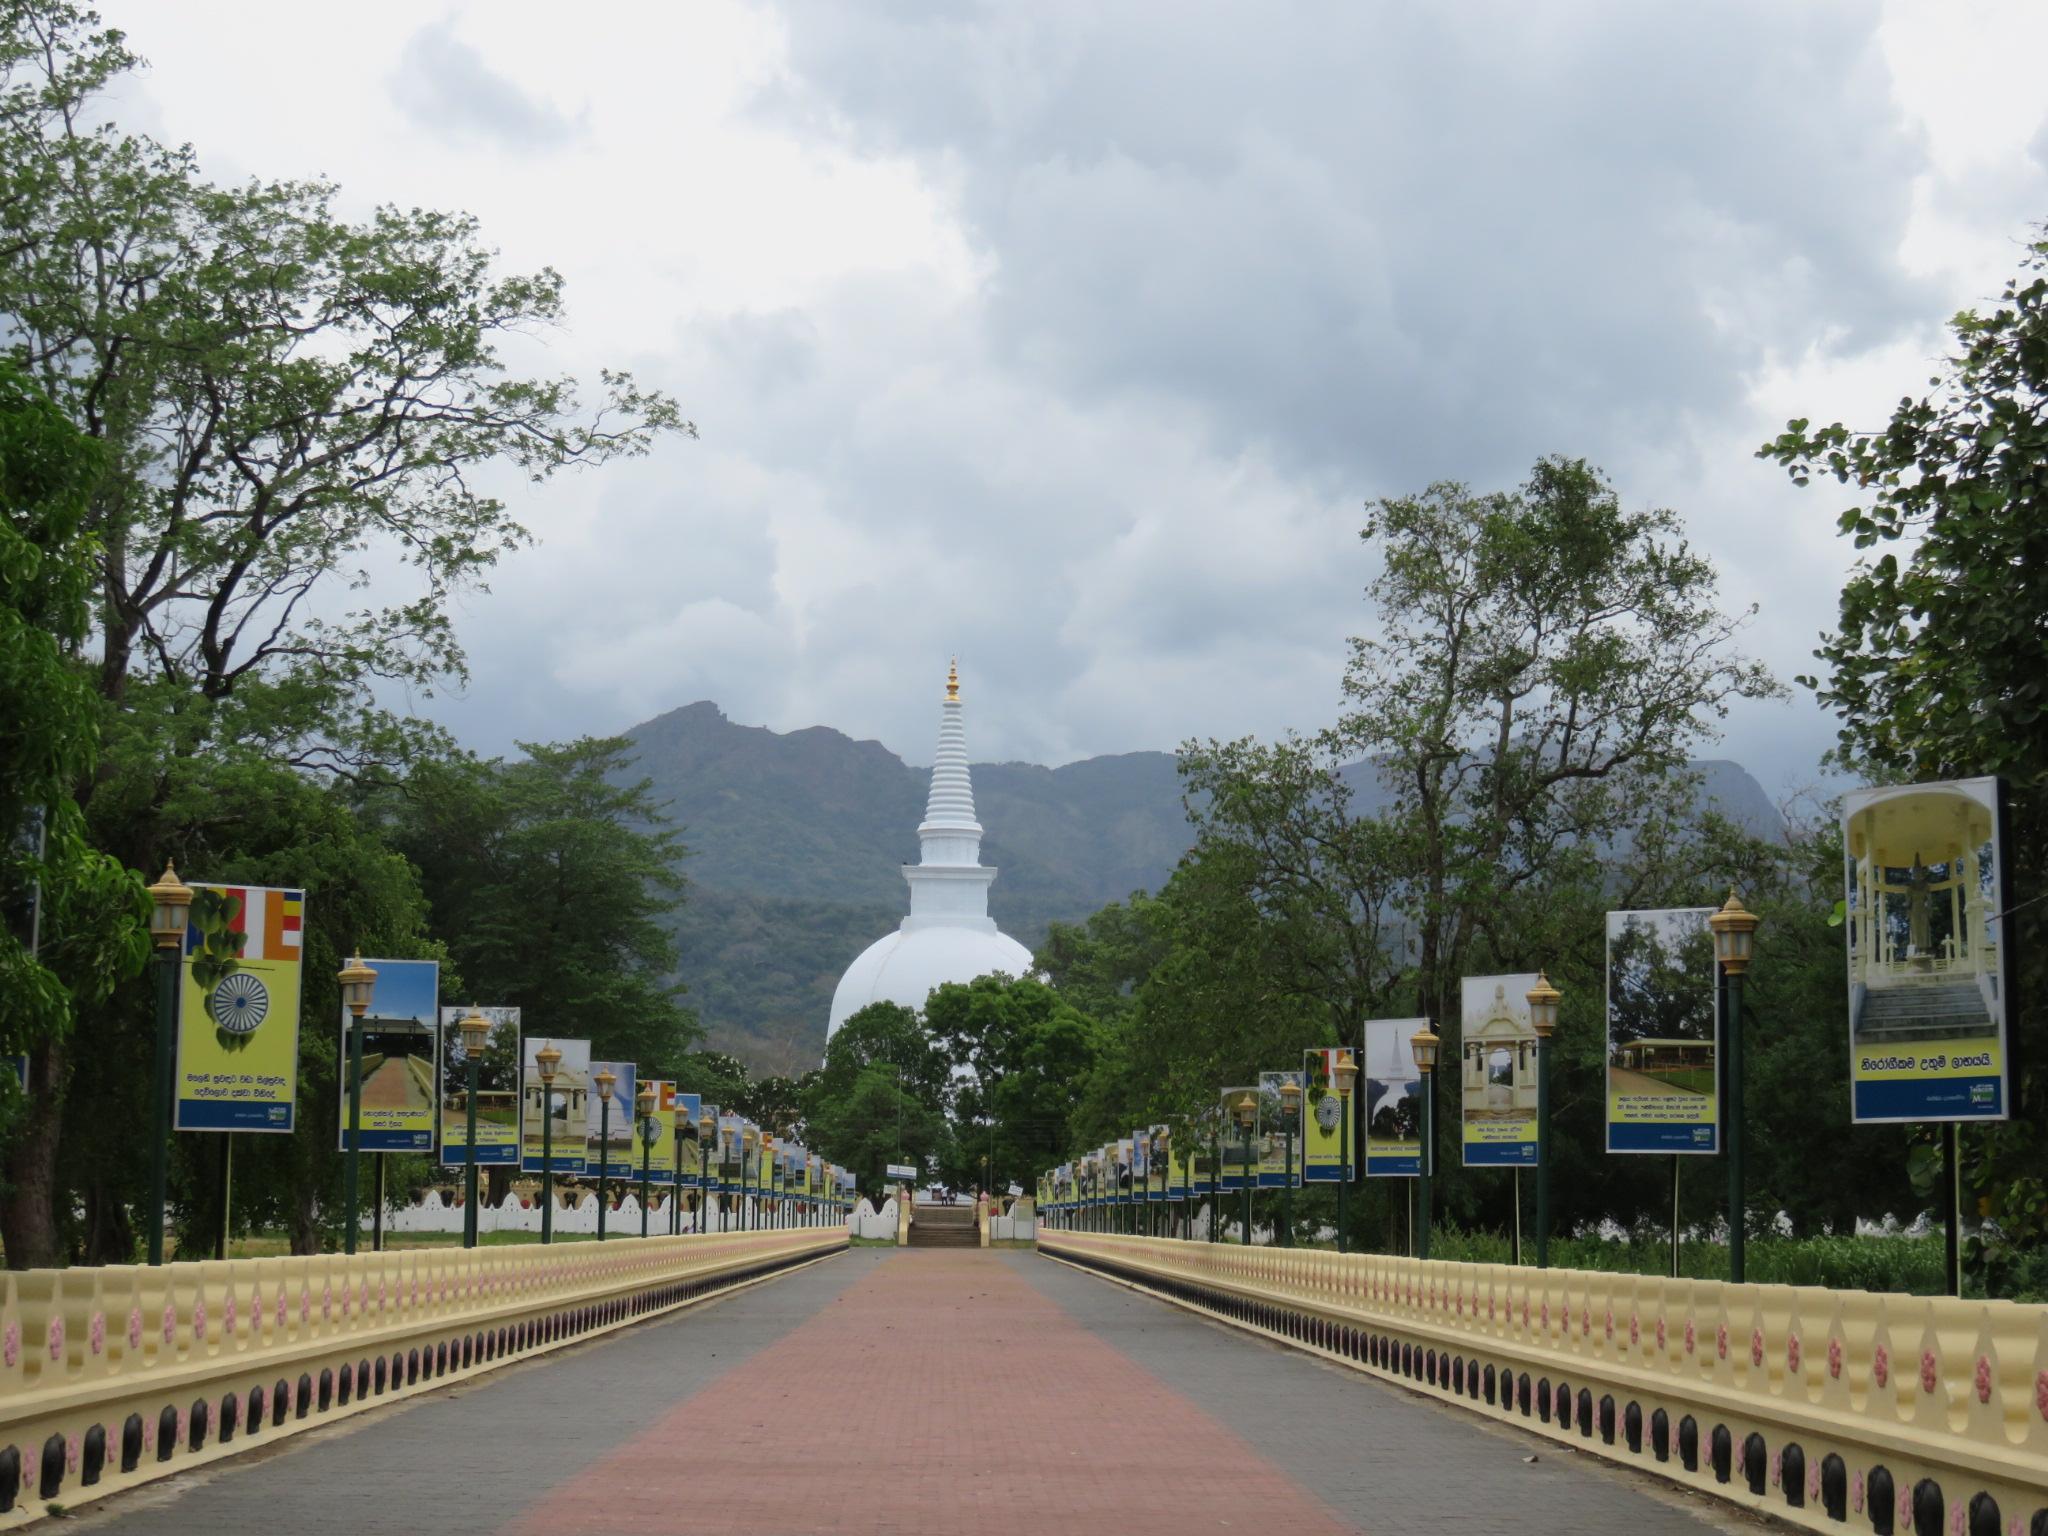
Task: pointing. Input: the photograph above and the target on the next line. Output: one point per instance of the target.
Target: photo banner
(657, 1153)
(1180, 1165)
(686, 1109)
(1140, 1159)
(1663, 1035)
(561, 1136)
(1125, 1163)
(1324, 1134)
(1497, 1071)
(1238, 1151)
(1930, 975)
(497, 1091)
(620, 1159)
(400, 1031)
(1280, 1141)
(238, 1010)
(1392, 1085)
(1160, 1167)
(731, 1146)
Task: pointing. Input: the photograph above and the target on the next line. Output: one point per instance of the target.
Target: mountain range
(796, 841)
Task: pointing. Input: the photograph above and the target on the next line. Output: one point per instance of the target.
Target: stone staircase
(1949, 1010)
(944, 1226)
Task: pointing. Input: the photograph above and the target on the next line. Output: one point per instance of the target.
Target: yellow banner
(238, 1010)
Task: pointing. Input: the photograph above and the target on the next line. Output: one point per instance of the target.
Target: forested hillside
(796, 841)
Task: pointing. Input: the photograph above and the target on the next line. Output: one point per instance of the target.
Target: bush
(1912, 1264)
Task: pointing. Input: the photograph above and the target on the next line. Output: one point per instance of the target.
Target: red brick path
(939, 1394)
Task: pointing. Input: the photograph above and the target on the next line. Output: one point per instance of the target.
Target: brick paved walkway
(935, 1391)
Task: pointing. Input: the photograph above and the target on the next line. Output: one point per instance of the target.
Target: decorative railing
(110, 1377)
(1833, 1410)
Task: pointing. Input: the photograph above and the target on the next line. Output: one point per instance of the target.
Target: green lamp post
(1423, 1044)
(1247, 1112)
(605, 1080)
(1543, 1000)
(547, 1061)
(707, 1135)
(1734, 929)
(1290, 1109)
(649, 1129)
(170, 906)
(1343, 1075)
(476, 1029)
(358, 983)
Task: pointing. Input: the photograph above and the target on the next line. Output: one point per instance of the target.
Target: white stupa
(949, 935)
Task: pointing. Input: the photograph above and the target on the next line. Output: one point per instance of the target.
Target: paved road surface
(918, 1391)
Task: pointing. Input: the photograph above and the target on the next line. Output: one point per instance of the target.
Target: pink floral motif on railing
(1881, 1366)
(198, 1323)
(227, 1315)
(71, 1453)
(1856, 1492)
(1930, 1370)
(55, 1336)
(96, 1333)
(1983, 1379)
(135, 1327)
(1661, 1336)
(1792, 1354)
(1691, 1338)
(1721, 1340)
(1835, 1358)
(1635, 1331)
(2041, 1393)
(1756, 1346)
(170, 1322)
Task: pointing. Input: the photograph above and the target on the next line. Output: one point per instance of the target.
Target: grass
(1690, 1079)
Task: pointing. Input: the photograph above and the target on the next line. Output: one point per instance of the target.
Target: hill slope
(796, 841)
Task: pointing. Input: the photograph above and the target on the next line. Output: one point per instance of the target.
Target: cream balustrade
(112, 1376)
(1810, 1404)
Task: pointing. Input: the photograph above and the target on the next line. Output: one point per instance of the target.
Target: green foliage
(1869, 1263)
(554, 883)
(1023, 1050)
(1940, 666)
(882, 1096)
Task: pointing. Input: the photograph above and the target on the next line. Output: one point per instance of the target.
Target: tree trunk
(28, 1211)
(305, 1221)
(109, 1234)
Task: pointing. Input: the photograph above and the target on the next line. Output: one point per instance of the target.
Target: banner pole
(377, 1215)
(1676, 1163)
(1518, 1216)
(227, 1177)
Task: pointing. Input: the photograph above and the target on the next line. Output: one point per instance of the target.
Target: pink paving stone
(906, 1406)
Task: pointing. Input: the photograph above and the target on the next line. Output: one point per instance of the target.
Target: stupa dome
(948, 935)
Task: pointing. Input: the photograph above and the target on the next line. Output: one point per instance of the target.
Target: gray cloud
(445, 86)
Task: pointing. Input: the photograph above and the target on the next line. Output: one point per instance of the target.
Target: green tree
(1939, 668)
(75, 919)
(554, 883)
(882, 1095)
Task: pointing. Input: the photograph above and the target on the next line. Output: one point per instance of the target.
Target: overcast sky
(1075, 337)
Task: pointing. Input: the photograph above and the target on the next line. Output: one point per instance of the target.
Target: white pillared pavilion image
(948, 935)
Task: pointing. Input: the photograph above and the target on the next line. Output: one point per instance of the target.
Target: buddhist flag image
(238, 1010)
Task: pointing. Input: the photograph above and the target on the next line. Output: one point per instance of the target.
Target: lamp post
(1215, 1178)
(1543, 1000)
(748, 1137)
(547, 1060)
(675, 1182)
(358, 982)
(170, 905)
(649, 1129)
(1423, 1043)
(1343, 1074)
(1156, 1165)
(1247, 1112)
(1290, 1106)
(1734, 938)
(605, 1079)
(707, 1132)
(476, 1029)
(771, 1171)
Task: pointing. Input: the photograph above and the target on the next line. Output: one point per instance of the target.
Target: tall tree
(553, 881)
(882, 1095)
(1939, 668)
(74, 919)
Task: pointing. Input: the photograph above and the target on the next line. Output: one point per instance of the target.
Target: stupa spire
(949, 833)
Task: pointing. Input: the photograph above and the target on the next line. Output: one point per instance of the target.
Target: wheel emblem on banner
(240, 1003)
(1328, 1111)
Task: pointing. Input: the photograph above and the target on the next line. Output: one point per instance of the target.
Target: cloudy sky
(1075, 337)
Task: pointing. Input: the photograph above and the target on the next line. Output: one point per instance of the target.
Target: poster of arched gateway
(1497, 1072)
(1924, 868)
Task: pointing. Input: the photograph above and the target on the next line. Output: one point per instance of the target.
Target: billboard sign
(560, 1137)
(1325, 1137)
(1497, 1072)
(399, 1033)
(1663, 1039)
(1393, 1099)
(238, 1010)
(1930, 975)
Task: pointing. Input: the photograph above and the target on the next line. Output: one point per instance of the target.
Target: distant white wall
(432, 1214)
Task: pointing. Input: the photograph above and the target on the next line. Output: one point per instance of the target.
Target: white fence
(512, 1214)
